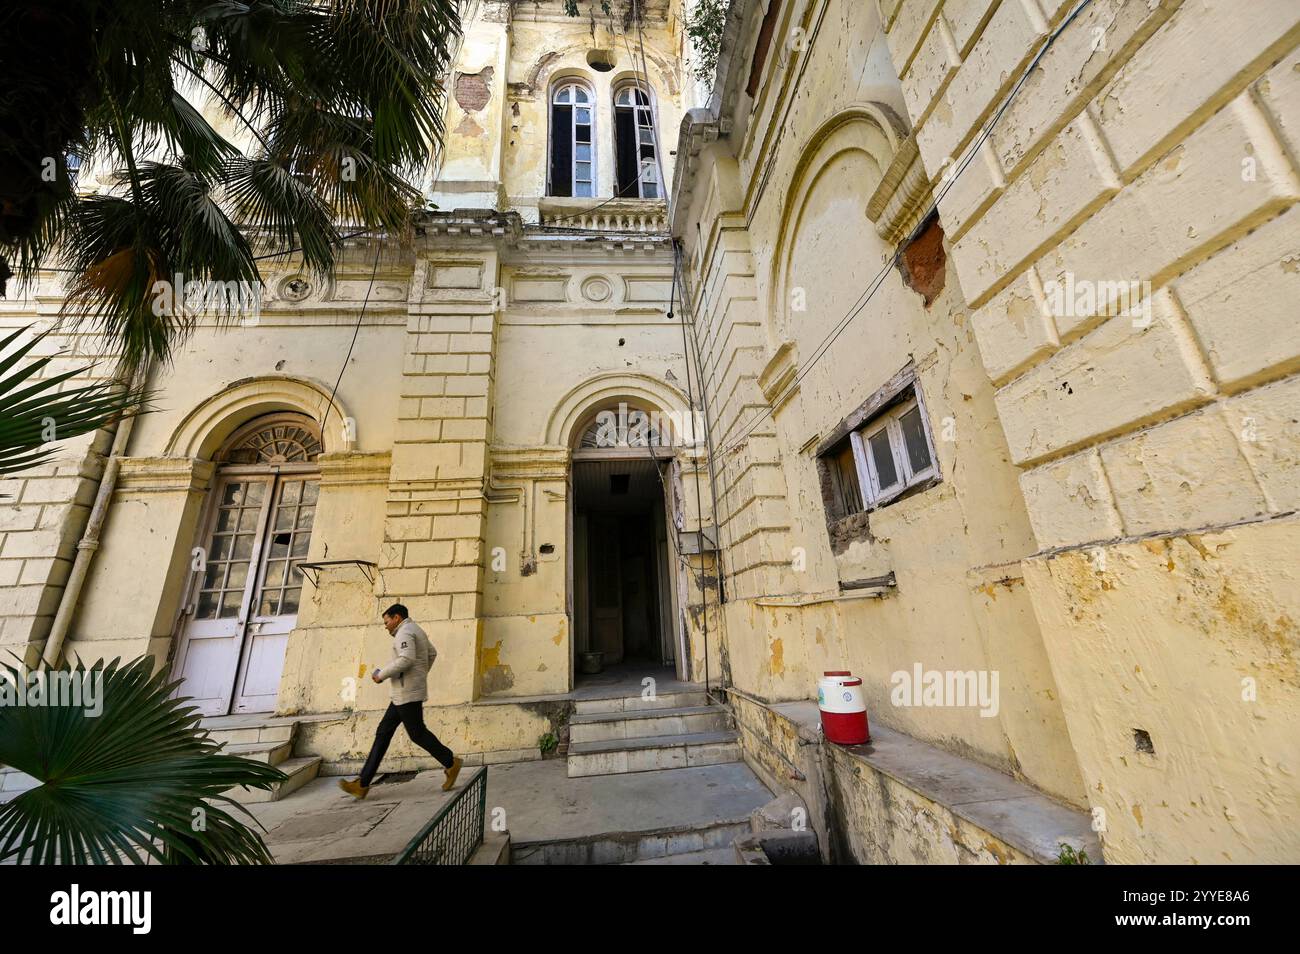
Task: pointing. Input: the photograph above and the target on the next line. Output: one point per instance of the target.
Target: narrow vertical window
(634, 145)
(573, 165)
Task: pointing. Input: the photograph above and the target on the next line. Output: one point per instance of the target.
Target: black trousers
(411, 715)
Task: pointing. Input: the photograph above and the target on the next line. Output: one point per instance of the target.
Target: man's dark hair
(397, 609)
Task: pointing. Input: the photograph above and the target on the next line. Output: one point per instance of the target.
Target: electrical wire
(379, 247)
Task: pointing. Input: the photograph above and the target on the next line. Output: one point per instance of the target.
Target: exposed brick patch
(473, 90)
(924, 261)
(849, 530)
(842, 529)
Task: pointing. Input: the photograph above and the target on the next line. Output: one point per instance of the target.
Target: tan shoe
(452, 771)
(354, 788)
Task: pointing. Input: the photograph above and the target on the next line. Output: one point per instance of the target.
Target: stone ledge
(1009, 811)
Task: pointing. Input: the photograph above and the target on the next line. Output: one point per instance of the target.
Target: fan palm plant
(127, 775)
(331, 107)
(34, 412)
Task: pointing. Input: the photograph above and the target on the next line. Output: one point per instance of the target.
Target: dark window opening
(562, 150)
(573, 158)
(636, 159)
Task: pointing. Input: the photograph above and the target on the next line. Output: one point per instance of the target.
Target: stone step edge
(652, 742)
(619, 715)
(629, 834)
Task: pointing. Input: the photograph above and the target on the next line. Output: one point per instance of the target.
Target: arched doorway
(624, 542)
(245, 585)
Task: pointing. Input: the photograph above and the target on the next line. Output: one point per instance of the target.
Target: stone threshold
(1007, 809)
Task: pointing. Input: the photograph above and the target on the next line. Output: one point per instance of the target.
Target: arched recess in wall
(210, 425)
(575, 410)
(825, 229)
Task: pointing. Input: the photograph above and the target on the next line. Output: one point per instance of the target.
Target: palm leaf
(321, 87)
(34, 411)
(126, 785)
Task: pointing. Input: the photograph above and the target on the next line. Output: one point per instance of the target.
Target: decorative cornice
(903, 195)
(343, 470)
(163, 475)
(778, 374)
(471, 224)
(530, 462)
(699, 128)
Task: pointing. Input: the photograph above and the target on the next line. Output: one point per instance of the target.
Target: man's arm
(405, 657)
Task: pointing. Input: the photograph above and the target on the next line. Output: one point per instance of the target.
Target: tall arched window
(573, 157)
(246, 585)
(634, 144)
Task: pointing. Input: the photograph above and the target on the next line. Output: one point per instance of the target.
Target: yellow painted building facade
(935, 446)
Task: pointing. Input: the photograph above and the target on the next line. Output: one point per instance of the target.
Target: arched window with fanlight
(636, 159)
(573, 143)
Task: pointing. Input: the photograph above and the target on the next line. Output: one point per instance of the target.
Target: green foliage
(704, 26)
(1069, 856)
(547, 743)
(34, 411)
(139, 781)
(336, 108)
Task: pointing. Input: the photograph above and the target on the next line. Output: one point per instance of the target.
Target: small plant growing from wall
(704, 26)
(547, 744)
(1069, 856)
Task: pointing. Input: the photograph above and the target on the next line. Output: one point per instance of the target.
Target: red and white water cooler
(843, 710)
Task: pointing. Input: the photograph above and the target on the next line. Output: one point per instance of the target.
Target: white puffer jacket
(408, 673)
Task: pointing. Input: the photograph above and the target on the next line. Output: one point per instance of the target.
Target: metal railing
(454, 833)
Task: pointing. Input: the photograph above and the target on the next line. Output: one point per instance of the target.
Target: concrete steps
(299, 772)
(642, 723)
(631, 847)
(653, 753)
(637, 703)
(268, 740)
(243, 730)
(272, 753)
(634, 733)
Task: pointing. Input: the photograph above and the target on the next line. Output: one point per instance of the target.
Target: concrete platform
(548, 814)
(1000, 808)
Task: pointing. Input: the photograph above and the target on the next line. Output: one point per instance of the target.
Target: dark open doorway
(622, 603)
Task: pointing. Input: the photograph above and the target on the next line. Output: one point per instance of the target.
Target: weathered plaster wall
(43, 510)
(863, 814)
(481, 349)
(786, 247)
(1155, 147)
(548, 47)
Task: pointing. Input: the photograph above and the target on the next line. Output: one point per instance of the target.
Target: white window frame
(873, 495)
(648, 170)
(572, 87)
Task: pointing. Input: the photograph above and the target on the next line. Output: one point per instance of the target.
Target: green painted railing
(454, 833)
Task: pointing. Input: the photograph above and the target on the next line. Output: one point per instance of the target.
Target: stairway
(268, 739)
(672, 730)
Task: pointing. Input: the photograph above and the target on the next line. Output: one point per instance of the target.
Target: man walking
(408, 678)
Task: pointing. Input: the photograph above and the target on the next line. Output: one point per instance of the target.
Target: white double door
(245, 599)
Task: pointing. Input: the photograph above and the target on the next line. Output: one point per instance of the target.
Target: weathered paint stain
(496, 676)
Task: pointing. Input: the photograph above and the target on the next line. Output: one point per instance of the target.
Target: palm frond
(342, 99)
(140, 780)
(34, 412)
